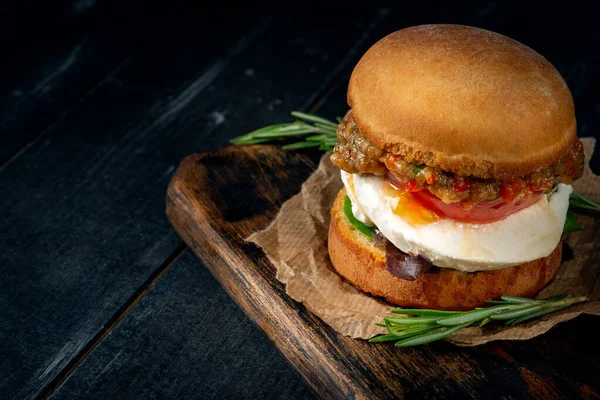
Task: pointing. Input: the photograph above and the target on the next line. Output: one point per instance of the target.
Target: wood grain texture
(204, 200)
(47, 70)
(83, 225)
(186, 339)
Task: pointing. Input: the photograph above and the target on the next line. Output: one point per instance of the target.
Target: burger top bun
(462, 99)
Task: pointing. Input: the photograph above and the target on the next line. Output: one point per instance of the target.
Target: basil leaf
(571, 224)
(362, 228)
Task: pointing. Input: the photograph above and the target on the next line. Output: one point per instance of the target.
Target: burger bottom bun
(363, 265)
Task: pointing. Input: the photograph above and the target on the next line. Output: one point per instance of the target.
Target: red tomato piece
(482, 212)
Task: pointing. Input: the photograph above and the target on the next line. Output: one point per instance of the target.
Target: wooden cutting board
(217, 199)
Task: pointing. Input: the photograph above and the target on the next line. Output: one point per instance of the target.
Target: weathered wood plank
(203, 204)
(185, 339)
(52, 58)
(83, 224)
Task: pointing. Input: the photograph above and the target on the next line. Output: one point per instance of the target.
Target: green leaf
(510, 314)
(517, 300)
(252, 135)
(361, 227)
(397, 331)
(415, 329)
(424, 312)
(536, 314)
(430, 336)
(313, 118)
(571, 224)
(282, 133)
(471, 316)
(411, 320)
(323, 136)
(383, 338)
(329, 128)
(416, 170)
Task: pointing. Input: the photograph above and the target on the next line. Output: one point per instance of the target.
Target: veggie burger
(457, 156)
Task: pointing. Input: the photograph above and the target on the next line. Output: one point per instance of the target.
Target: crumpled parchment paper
(296, 243)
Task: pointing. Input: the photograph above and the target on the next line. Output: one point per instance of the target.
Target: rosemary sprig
(424, 326)
(322, 130)
(580, 202)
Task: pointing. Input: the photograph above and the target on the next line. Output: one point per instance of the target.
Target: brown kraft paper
(296, 243)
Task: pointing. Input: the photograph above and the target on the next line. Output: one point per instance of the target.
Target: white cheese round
(524, 236)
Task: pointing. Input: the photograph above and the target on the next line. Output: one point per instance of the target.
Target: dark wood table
(99, 103)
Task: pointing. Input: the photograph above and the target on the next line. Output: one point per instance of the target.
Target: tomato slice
(482, 212)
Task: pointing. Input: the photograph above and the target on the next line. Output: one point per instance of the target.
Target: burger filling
(355, 154)
(423, 216)
(526, 235)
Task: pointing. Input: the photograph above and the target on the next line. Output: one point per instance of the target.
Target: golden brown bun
(463, 99)
(363, 265)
